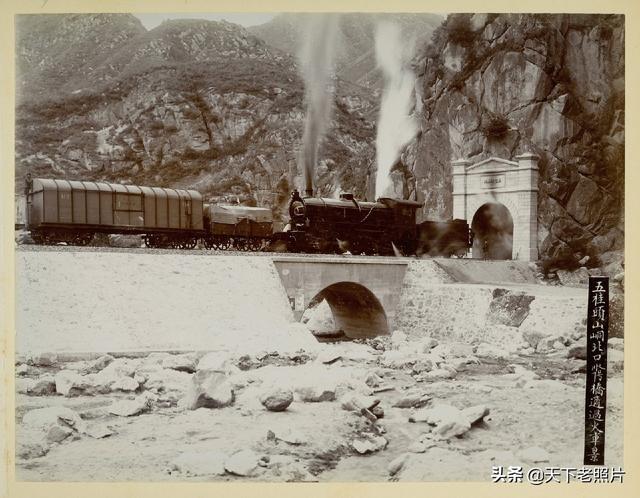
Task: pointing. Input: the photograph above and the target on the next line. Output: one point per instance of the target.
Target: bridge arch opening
(492, 228)
(356, 311)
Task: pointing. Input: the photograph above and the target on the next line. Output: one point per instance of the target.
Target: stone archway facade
(513, 184)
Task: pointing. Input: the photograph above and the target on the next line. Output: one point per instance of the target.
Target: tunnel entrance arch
(492, 227)
(356, 311)
(510, 184)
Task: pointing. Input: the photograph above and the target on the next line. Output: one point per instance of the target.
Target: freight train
(74, 211)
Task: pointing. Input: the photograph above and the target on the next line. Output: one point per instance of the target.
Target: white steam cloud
(396, 125)
(316, 65)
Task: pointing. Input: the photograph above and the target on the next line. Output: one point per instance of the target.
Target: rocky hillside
(195, 104)
(356, 59)
(500, 85)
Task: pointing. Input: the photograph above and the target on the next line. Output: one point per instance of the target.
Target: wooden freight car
(73, 211)
(241, 227)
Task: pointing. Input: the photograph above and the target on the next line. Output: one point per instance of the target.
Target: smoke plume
(316, 65)
(396, 126)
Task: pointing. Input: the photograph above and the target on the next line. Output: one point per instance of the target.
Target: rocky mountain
(501, 85)
(196, 104)
(355, 44)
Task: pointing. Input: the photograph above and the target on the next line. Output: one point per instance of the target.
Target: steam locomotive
(385, 227)
(74, 211)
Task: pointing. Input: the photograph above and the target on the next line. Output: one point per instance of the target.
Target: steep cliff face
(500, 85)
(191, 104)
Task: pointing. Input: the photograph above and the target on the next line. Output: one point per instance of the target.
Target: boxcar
(73, 211)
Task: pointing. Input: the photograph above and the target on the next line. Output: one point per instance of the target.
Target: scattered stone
(68, 383)
(427, 344)
(368, 414)
(287, 435)
(449, 421)
(170, 384)
(56, 416)
(373, 380)
(438, 374)
(579, 352)
(316, 393)
(534, 336)
(181, 362)
(57, 434)
(577, 278)
(99, 364)
(381, 389)
(23, 369)
(217, 361)
(397, 463)
(328, 357)
(485, 350)
(417, 447)
(200, 463)
(242, 463)
(413, 399)
(120, 367)
(131, 407)
(99, 431)
(452, 350)
(369, 444)
(534, 454)
(475, 414)
(29, 450)
(43, 386)
(377, 411)
(558, 346)
(276, 400)
(615, 360)
(355, 402)
(616, 343)
(126, 384)
(23, 386)
(208, 389)
(43, 360)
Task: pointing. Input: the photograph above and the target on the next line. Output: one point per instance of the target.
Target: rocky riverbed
(377, 410)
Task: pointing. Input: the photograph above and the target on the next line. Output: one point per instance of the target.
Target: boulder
(208, 389)
(217, 361)
(131, 407)
(287, 435)
(448, 420)
(373, 380)
(355, 402)
(484, 350)
(396, 464)
(126, 384)
(578, 352)
(43, 359)
(616, 343)
(68, 383)
(438, 374)
(98, 364)
(412, 399)
(182, 362)
(316, 393)
(200, 463)
(276, 399)
(55, 423)
(23, 386)
(43, 386)
(369, 444)
(242, 463)
(576, 278)
(171, 384)
(475, 414)
(452, 350)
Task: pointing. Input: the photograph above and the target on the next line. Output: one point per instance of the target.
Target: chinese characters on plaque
(596, 386)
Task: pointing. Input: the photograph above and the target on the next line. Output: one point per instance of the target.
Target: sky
(150, 21)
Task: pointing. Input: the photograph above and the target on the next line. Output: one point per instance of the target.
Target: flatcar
(241, 227)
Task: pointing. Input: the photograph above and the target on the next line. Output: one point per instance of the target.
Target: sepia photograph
(319, 247)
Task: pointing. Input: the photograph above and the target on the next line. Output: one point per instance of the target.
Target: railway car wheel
(224, 244)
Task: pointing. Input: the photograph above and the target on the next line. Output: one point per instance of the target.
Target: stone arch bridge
(363, 294)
